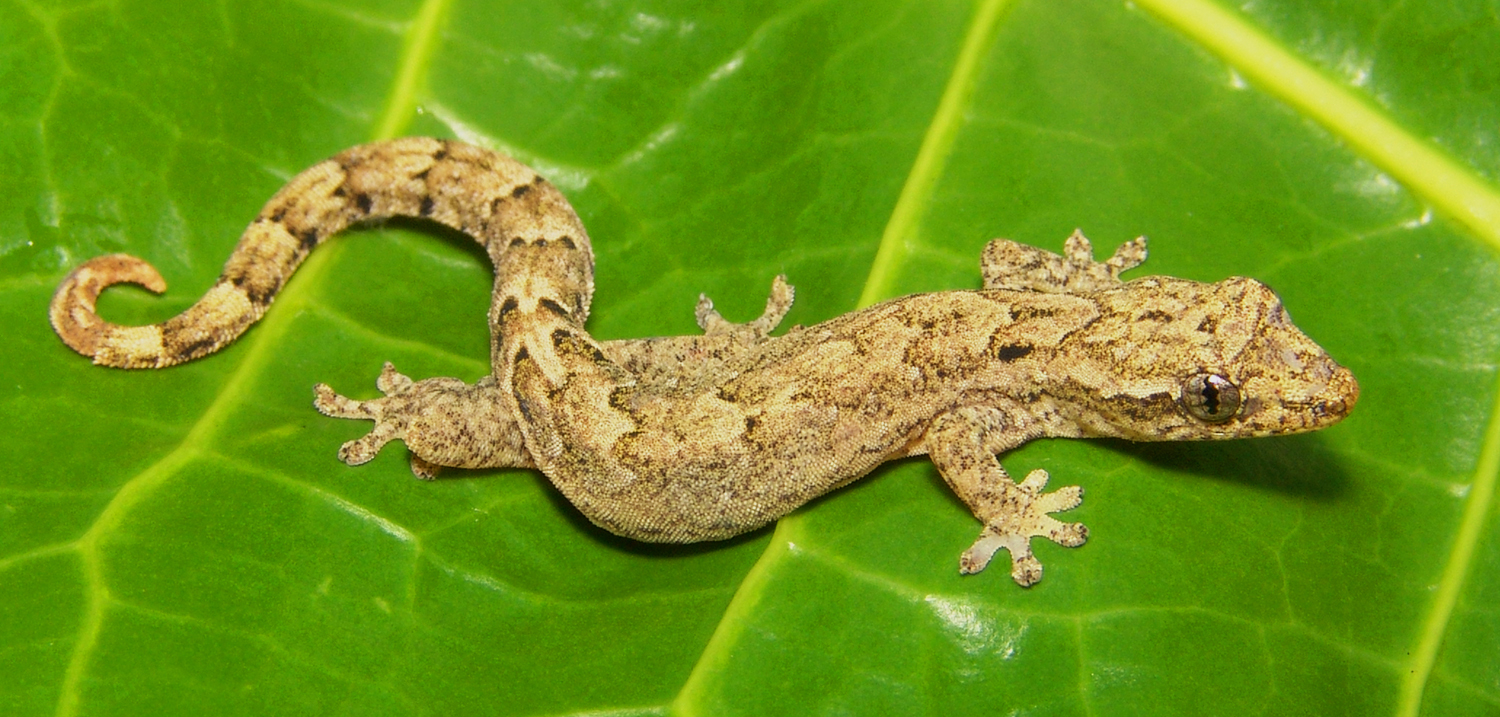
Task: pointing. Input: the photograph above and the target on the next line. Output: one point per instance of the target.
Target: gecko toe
(357, 452)
(423, 468)
(1026, 571)
(1068, 535)
(333, 405)
(1065, 498)
(978, 556)
(392, 382)
(1035, 481)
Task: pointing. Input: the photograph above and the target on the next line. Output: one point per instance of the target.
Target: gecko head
(1210, 361)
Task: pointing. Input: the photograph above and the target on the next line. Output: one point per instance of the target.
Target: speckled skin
(691, 438)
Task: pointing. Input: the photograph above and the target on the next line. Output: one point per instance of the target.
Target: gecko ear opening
(1210, 397)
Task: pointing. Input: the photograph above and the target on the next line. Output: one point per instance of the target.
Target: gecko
(694, 438)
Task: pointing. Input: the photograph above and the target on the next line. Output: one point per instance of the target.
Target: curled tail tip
(72, 312)
(92, 276)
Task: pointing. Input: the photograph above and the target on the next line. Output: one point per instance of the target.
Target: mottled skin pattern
(691, 438)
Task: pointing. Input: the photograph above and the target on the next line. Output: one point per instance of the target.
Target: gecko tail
(372, 181)
(314, 205)
(207, 326)
(474, 190)
(72, 312)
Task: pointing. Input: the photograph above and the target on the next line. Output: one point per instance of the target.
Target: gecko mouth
(1329, 405)
(1338, 398)
(1318, 407)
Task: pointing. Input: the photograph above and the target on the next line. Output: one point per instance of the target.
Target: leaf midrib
(895, 244)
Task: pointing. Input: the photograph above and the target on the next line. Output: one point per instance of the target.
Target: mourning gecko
(693, 438)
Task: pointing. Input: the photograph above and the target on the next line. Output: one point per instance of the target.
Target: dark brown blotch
(621, 399)
(1156, 315)
(1143, 410)
(506, 307)
(307, 239)
(567, 342)
(190, 350)
(1011, 352)
(262, 295)
(1026, 313)
(258, 288)
(521, 403)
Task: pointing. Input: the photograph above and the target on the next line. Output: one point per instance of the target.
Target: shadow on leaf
(1296, 465)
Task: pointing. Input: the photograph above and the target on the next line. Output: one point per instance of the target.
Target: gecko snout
(1339, 397)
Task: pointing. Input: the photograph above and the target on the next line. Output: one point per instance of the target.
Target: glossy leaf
(184, 541)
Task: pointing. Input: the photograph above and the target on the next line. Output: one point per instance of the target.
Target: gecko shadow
(1294, 465)
(1299, 465)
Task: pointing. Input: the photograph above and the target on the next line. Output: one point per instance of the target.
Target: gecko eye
(1210, 397)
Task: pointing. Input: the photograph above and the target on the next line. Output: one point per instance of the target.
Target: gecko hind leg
(1008, 265)
(777, 304)
(963, 444)
(443, 421)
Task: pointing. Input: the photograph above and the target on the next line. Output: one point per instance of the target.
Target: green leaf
(184, 541)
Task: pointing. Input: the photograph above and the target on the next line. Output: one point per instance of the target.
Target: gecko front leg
(777, 304)
(963, 444)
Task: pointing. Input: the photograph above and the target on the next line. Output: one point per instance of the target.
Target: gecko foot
(1008, 265)
(1024, 520)
(443, 422)
(779, 302)
(1080, 255)
(391, 415)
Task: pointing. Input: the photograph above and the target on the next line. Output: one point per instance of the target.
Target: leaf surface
(184, 541)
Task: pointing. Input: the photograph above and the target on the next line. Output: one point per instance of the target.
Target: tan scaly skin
(690, 438)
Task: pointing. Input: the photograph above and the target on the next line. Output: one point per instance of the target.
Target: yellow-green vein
(1477, 507)
(1437, 178)
(96, 593)
(932, 157)
(692, 699)
(416, 58)
(905, 217)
